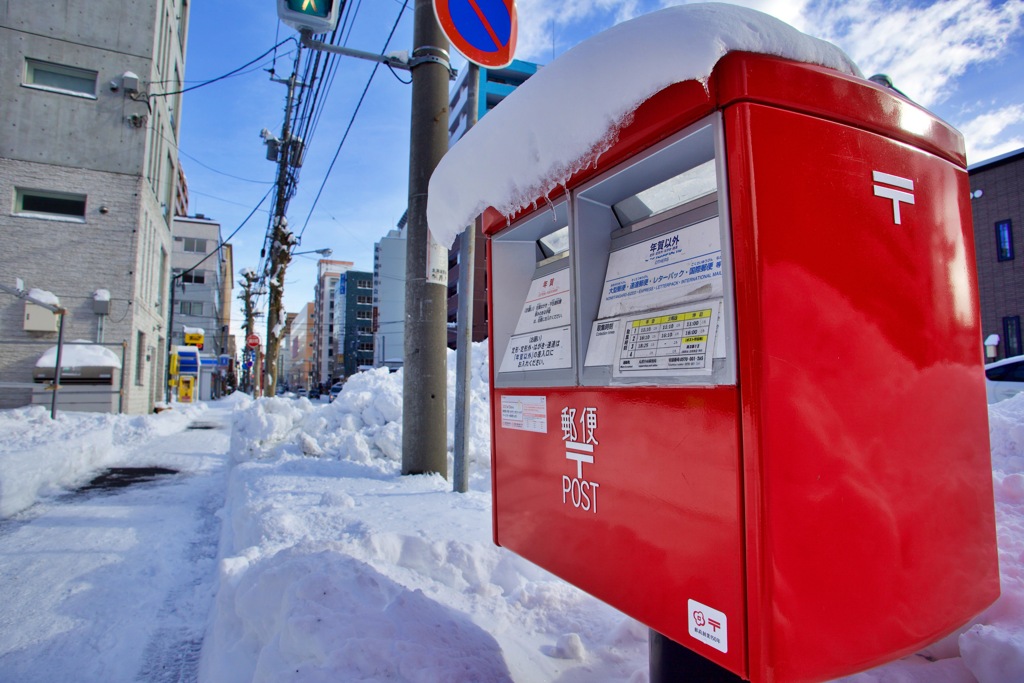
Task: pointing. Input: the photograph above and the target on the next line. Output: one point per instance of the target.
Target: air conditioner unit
(39, 319)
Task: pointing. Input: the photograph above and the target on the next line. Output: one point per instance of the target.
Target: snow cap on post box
(521, 150)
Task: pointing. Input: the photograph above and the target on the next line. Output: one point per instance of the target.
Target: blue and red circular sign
(484, 31)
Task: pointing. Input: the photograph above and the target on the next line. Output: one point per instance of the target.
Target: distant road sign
(484, 31)
(252, 341)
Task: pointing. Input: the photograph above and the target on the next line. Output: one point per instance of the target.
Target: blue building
(353, 328)
(495, 85)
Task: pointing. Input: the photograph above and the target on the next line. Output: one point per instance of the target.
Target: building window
(59, 78)
(190, 307)
(364, 284)
(196, 277)
(364, 299)
(1011, 335)
(364, 315)
(140, 357)
(49, 204)
(194, 245)
(1004, 241)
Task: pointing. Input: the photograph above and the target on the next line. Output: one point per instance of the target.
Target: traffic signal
(319, 16)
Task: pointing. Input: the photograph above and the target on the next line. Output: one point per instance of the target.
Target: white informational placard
(547, 303)
(603, 337)
(672, 342)
(678, 266)
(525, 413)
(437, 262)
(541, 350)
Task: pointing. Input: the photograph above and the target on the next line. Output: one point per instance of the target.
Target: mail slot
(724, 358)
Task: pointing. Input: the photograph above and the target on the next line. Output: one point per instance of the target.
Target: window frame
(1004, 227)
(1012, 336)
(191, 305)
(20, 193)
(195, 242)
(32, 65)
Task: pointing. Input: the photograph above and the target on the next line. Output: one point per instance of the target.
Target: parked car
(314, 393)
(1004, 378)
(302, 392)
(335, 390)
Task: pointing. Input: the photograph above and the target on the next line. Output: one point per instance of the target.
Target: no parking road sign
(484, 31)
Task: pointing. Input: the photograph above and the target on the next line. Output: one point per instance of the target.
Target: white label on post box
(679, 266)
(677, 341)
(525, 413)
(603, 335)
(547, 303)
(543, 350)
(708, 625)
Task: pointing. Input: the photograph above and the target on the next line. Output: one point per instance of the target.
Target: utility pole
(424, 402)
(464, 349)
(249, 279)
(282, 239)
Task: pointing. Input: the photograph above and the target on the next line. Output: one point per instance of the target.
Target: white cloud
(986, 135)
(539, 18)
(924, 49)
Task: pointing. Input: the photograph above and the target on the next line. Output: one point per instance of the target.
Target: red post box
(724, 361)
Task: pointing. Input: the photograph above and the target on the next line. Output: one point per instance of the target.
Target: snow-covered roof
(78, 355)
(193, 330)
(569, 113)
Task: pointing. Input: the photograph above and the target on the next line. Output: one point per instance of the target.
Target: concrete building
(494, 86)
(389, 300)
(88, 171)
(199, 300)
(997, 202)
(328, 272)
(353, 323)
(300, 347)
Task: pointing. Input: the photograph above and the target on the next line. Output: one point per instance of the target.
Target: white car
(1004, 378)
(335, 390)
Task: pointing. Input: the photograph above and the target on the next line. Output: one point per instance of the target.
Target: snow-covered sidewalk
(113, 585)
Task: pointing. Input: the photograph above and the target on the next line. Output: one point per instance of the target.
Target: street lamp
(322, 252)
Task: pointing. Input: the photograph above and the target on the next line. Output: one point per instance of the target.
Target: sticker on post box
(603, 335)
(525, 413)
(547, 303)
(676, 267)
(673, 342)
(708, 625)
(543, 350)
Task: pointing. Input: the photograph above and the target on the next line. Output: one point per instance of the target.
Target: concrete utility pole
(464, 350)
(424, 417)
(282, 239)
(249, 280)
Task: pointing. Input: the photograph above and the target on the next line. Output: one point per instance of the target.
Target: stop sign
(252, 341)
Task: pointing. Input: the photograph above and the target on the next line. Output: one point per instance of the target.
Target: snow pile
(42, 457)
(595, 87)
(80, 354)
(101, 295)
(363, 425)
(44, 297)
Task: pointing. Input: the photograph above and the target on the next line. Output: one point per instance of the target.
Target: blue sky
(963, 59)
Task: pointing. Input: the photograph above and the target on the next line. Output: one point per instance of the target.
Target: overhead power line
(233, 72)
(352, 120)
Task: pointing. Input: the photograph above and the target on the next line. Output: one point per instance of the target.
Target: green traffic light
(317, 8)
